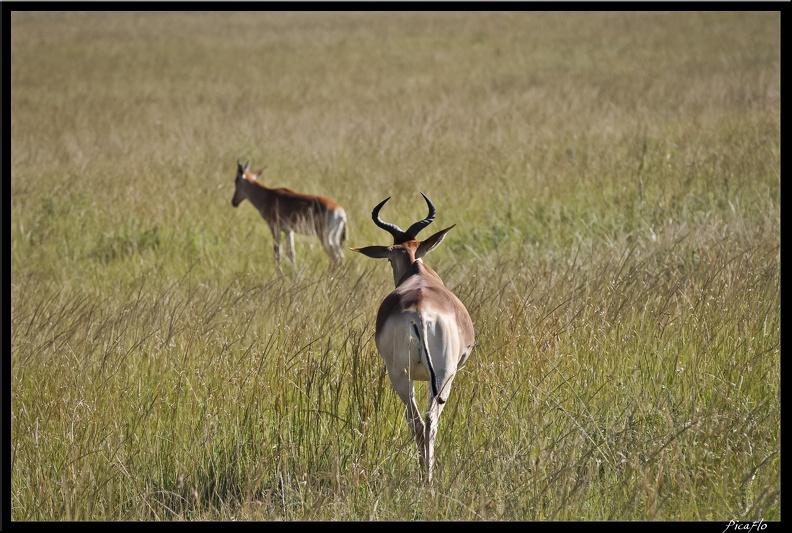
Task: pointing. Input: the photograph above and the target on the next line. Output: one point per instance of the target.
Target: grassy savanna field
(614, 178)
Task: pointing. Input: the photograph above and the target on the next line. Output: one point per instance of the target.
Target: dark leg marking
(425, 348)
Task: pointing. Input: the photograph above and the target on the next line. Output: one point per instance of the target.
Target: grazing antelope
(423, 330)
(290, 212)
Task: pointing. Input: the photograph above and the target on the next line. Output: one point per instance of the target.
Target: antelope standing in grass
(423, 330)
(290, 212)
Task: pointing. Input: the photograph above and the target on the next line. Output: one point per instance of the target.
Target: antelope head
(406, 249)
(243, 177)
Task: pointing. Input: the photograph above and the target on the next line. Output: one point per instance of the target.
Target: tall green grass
(614, 180)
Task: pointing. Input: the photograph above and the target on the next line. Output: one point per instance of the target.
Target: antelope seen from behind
(423, 331)
(290, 212)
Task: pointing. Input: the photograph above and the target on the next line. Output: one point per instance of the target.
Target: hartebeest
(290, 212)
(423, 330)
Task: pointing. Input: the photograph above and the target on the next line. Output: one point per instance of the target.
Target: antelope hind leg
(436, 406)
(404, 388)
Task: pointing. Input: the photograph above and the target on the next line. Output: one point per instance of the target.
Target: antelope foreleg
(290, 248)
(276, 248)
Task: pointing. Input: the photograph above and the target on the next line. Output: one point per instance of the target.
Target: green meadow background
(614, 178)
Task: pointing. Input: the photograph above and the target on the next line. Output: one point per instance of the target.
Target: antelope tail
(426, 358)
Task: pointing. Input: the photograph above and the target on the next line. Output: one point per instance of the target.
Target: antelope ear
(377, 252)
(247, 166)
(260, 172)
(431, 243)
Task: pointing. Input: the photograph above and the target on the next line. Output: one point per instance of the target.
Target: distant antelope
(423, 330)
(289, 212)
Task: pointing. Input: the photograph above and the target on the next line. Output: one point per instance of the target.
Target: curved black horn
(413, 230)
(393, 229)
